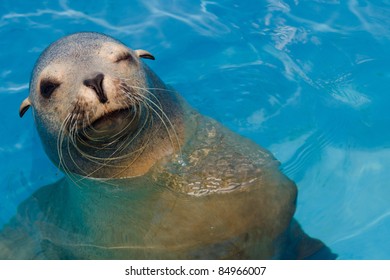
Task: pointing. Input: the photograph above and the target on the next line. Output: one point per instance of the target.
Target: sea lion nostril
(96, 84)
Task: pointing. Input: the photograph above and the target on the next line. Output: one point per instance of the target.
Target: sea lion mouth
(113, 124)
(111, 120)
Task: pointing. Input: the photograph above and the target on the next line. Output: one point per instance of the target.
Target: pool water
(308, 80)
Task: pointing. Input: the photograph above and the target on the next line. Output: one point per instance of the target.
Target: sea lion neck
(89, 211)
(106, 190)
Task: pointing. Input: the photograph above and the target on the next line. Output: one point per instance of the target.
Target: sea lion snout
(96, 83)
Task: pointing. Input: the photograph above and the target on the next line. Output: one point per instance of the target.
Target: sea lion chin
(112, 123)
(146, 175)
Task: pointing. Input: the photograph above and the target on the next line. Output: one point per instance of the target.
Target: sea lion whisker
(149, 88)
(60, 140)
(85, 155)
(128, 142)
(148, 119)
(86, 124)
(67, 171)
(102, 162)
(71, 137)
(163, 115)
(162, 121)
(85, 143)
(92, 138)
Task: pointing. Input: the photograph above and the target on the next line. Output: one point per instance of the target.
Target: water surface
(309, 80)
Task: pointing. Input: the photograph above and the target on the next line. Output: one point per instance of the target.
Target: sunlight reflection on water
(306, 79)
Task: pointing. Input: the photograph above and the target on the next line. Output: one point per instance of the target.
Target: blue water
(309, 80)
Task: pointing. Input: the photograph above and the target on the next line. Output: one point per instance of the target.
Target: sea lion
(147, 176)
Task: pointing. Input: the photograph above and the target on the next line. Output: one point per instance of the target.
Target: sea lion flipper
(305, 247)
(24, 106)
(17, 244)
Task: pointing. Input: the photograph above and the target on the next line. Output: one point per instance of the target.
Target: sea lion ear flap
(24, 107)
(144, 54)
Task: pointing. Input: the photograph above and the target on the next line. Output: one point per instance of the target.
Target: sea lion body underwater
(147, 177)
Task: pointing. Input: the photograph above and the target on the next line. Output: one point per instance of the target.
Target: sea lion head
(93, 101)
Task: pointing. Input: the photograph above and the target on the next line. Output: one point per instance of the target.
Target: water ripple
(373, 19)
(14, 88)
(362, 229)
(307, 153)
(200, 20)
(203, 22)
(257, 118)
(73, 14)
(292, 70)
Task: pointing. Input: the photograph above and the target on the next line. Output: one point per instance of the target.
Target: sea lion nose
(96, 84)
